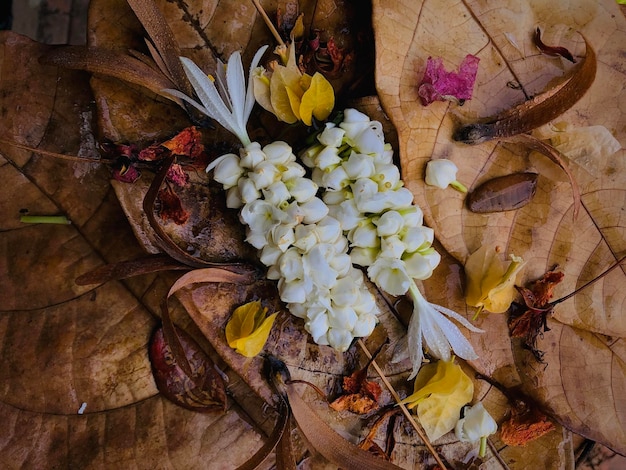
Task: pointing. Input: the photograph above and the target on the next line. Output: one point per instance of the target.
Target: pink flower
(440, 85)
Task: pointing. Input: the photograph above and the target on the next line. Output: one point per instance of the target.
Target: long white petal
(222, 87)
(462, 320)
(186, 98)
(435, 338)
(414, 339)
(209, 96)
(236, 88)
(250, 91)
(459, 343)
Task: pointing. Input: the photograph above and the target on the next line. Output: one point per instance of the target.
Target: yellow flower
(291, 95)
(248, 329)
(441, 389)
(490, 283)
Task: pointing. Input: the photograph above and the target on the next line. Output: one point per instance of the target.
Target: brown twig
(268, 22)
(407, 413)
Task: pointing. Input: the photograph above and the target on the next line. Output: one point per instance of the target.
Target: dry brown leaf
(543, 232)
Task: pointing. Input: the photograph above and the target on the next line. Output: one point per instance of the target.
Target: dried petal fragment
(361, 395)
(441, 85)
(171, 208)
(187, 142)
(524, 427)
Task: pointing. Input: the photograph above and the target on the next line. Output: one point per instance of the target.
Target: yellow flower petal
(318, 100)
(490, 284)
(252, 344)
(283, 78)
(248, 329)
(441, 390)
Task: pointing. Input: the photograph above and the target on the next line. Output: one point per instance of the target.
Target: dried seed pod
(504, 193)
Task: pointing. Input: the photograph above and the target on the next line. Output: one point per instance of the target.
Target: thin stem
(60, 156)
(460, 187)
(45, 219)
(268, 22)
(483, 447)
(563, 299)
(405, 411)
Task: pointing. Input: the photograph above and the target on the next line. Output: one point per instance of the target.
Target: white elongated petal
(390, 223)
(250, 88)
(237, 88)
(209, 96)
(414, 342)
(390, 275)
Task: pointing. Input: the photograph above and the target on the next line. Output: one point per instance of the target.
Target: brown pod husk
(505, 193)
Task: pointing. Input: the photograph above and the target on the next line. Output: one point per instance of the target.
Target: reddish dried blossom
(361, 395)
(171, 208)
(441, 85)
(526, 424)
(527, 320)
(153, 153)
(126, 173)
(177, 175)
(187, 142)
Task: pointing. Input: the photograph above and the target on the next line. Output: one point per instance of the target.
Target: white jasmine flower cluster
(301, 244)
(385, 229)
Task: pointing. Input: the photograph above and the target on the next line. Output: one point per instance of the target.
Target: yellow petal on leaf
(261, 87)
(248, 329)
(441, 390)
(490, 283)
(318, 100)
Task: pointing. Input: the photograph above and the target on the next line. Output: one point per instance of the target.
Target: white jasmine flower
(420, 266)
(364, 235)
(248, 191)
(413, 216)
(345, 292)
(358, 166)
(391, 247)
(416, 238)
(282, 236)
(306, 238)
(342, 317)
(317, 326)
(278, 153)
(364, 256)
(276, 193)
(233, 198)
(291, 265)
(327, 158)
(256, 238)
(260, 215)
(318, 266)
(340, 339)
(227, 170)
(332, 136)
(364, 325)
(328, 230)
(354, 122)
(370, 140)
(341, 263)
(301, 189)
(387, 176)
(335, 179)
(251, 155)
(476, 425)
(309, 155)
(347, 212)
(291, 170)
(232, 104)
(293, 291)
(442, 173)
(381, 201)
(430, 327)
(389, 223)
(264, 174)
(269, 254)
(314, 210)
(390, 275)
